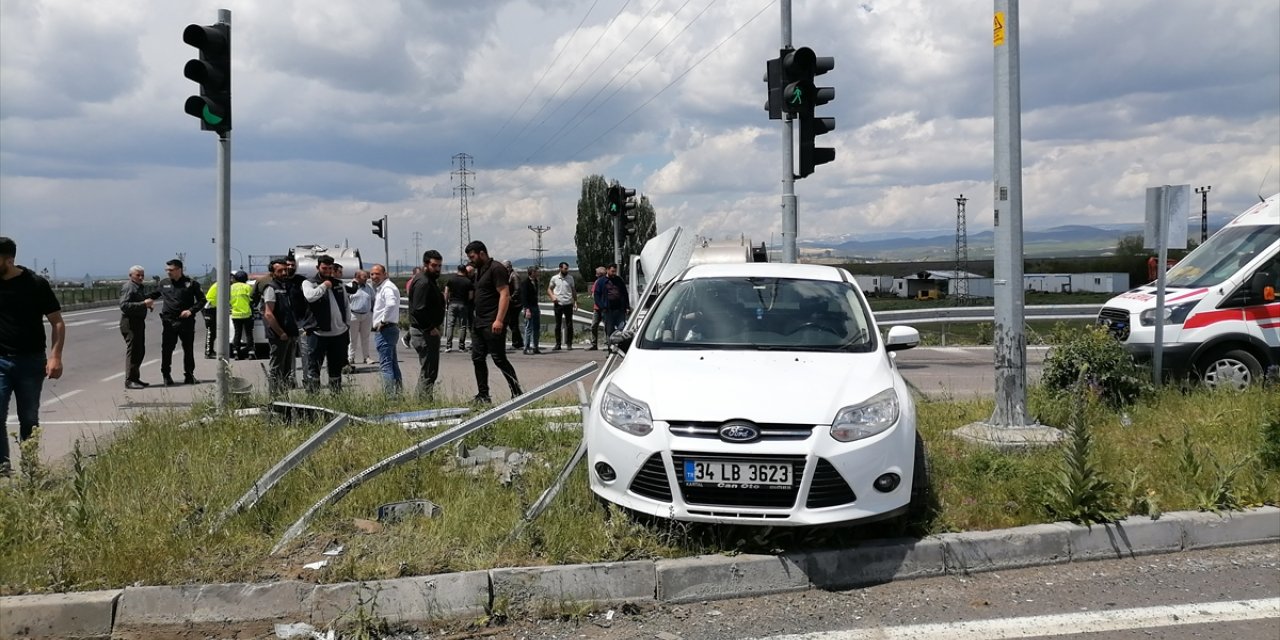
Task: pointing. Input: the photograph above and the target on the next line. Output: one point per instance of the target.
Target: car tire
(1229, 369)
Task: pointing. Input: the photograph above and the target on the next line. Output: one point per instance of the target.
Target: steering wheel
(818, 327)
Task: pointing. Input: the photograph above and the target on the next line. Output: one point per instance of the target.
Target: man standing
(426, 319)
(282, 328)
(210, 313)
(241, 317)
(182, 300)
(386, 327)
(460, 292)
(133, 326)
(532, 314)
(564, 298)
(360, 298)
(325, 334)
(493, 296)
(611, 296)
(513, 310)
(596, 316)
(25, 299)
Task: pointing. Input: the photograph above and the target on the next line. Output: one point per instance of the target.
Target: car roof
(766, 270)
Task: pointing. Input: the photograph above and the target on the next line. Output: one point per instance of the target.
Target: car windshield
(756, 313)
(1222, 255)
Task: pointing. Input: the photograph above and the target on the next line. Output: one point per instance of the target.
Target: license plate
(740, 473)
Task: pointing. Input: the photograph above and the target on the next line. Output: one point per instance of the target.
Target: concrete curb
(533, 590)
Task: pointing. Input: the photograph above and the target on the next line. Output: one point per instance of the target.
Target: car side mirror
(622, 339)
(901, 338)
(1260, 287)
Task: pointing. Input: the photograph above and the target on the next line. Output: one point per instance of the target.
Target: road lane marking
(110, 378)
(76, 314)
(1064, 623)
(60, 398)
(78, 323)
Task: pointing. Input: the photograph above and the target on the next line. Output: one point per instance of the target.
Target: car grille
(781, 498)
(1116, 320)
(828, 488)
(771, 432)
(651, 480)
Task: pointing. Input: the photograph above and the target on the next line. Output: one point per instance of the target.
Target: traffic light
(622, 205)
(379, 228)
(800, 97)
(213, 73)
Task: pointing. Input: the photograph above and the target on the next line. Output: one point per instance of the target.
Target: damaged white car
(757, 393)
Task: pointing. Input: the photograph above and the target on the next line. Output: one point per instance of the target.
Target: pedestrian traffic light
(801, 97)
(212, 71)
(379, 228)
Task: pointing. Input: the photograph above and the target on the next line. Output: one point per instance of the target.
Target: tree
(593, 234)
(1131, 245)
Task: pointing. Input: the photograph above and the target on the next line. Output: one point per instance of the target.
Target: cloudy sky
(348, 111)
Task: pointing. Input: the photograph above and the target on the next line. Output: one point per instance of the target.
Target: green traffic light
(210, 118)
(797, 96)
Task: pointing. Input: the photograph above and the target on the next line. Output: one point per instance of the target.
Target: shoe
(190, 380)
(537, 352)
(210, 356)
(569, 348)
(556, 348)
(134, 384)
(593, 348)
(168, 381)
(448, 349)
(479, 399)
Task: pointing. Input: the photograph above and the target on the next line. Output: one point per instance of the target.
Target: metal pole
(789, 208)
(1009, 338)
(1204, 212)
(223, 321)
(617, 231)
(386, 245)
(1162, 250)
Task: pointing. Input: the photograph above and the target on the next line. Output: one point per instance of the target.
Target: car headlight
(625, 413)
(866, 419)
(1173, 314)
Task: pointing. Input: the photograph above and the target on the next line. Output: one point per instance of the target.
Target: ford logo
(739, 432)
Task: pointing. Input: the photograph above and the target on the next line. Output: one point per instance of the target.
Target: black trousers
(174, 330)
(512, 322)
(135, 345)
(331, 350)
(242, 343)
(564, 317)
(428, 348)
(210, 334)
(486, 343)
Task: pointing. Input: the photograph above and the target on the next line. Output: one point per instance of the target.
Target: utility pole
(1204, 212)
(463, 189)
(1008, 426)
(961, 277)
(537, 248)
(417, 245)
(789, 212)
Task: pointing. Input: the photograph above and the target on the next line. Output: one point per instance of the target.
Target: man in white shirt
(361, 301)
(385, 325)
(564, 298)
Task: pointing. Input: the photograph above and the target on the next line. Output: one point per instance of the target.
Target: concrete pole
(223, 322)
(789, 224)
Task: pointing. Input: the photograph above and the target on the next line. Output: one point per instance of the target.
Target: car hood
(761, 386)
(1144, 297)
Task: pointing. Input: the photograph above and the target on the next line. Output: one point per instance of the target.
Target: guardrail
(985, 314)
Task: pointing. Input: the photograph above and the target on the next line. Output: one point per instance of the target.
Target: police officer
(182, 300)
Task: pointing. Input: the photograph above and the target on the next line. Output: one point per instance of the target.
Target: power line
(546, 70)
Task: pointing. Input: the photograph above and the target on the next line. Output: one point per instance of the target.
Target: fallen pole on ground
(287, 463)
(433, 443)
(557, 485)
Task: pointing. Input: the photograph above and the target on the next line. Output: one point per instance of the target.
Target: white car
(757, 393)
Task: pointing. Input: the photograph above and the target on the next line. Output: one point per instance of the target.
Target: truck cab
(1221, 315)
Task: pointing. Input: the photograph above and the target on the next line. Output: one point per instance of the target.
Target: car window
(1222, 255)
(759, 314)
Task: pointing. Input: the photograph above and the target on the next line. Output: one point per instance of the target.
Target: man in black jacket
(182, 300)
(281, 328)
(324, 329)
(134, 305)
(426, 317)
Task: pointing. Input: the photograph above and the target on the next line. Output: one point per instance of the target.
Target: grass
(139, 512)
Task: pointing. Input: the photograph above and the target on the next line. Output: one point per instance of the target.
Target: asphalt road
(1176, 597)
(90, 402)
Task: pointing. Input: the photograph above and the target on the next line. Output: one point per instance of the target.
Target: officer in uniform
(182, 300)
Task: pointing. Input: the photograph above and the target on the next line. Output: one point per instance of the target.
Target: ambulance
(1221, 314)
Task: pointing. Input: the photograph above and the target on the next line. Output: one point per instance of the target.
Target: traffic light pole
(789, 225)
(386, 246)
(224, 258)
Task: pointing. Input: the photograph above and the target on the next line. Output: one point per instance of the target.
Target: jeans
(22, 377)
(614, 320)
(428, 348)
(281, 377)
(460, 321)
(597, 317)
(385, 343)
(135, 346)
(532, 330)
(564, 318)
(484, 342)
(173, 331)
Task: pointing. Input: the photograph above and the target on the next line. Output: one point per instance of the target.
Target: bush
(1107, 369)
(1270, 453)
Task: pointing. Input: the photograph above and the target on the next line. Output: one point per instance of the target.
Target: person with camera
(325, 330)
